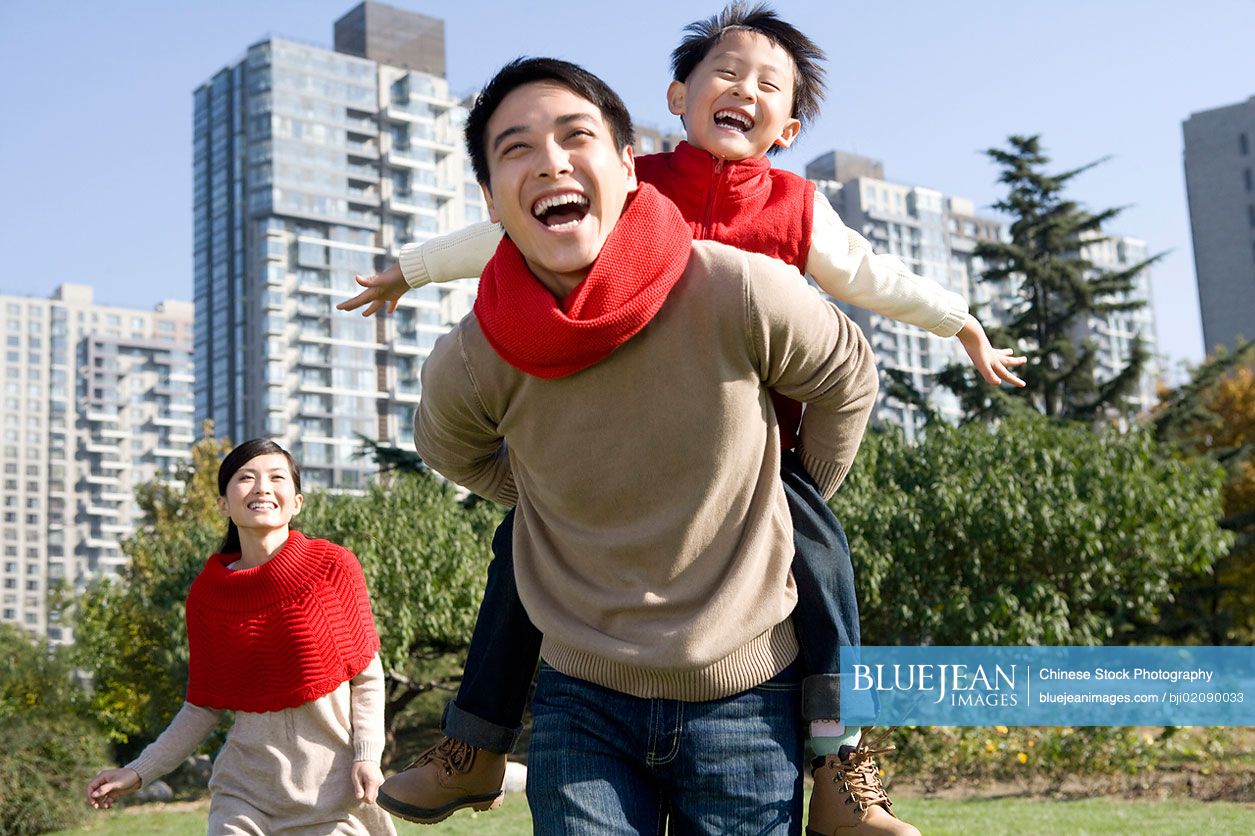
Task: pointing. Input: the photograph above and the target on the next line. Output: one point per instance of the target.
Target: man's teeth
(545, 204)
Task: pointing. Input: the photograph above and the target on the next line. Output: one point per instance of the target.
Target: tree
(1057, 289)
(1036, 532)
(1213, 417)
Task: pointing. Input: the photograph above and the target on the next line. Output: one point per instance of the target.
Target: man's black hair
(808, 58)
(522, 71)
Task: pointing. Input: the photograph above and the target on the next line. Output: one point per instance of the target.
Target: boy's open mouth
(734, 120)
(561, 211)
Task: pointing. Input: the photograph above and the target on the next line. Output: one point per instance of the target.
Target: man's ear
(789, 133)
(629, 164)
(676, 97)
(492, 211)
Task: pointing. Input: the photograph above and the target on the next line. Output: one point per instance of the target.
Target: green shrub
(48, 750)
(47, 760)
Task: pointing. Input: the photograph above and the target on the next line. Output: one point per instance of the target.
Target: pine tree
(1057, 291)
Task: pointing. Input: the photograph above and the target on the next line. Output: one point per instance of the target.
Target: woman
(280, 632)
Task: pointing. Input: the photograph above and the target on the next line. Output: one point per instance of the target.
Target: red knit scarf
(280, 634)
(641, 261)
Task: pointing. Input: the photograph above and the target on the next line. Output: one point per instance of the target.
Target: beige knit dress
(285, 772)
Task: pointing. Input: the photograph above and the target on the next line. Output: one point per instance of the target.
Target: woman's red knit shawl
(280, 634)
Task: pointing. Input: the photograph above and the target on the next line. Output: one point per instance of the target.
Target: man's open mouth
(561, 211)
(734, 120)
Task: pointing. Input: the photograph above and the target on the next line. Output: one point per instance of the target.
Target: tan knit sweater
(652, 541)
(289, 770)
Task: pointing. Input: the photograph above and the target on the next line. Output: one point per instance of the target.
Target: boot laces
(861, 776)
(453, 755)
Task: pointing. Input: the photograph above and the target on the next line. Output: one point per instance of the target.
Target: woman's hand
(110, 785)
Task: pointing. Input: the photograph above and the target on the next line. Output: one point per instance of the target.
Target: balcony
(362, 149)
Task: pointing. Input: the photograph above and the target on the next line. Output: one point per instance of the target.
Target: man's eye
(510, 149)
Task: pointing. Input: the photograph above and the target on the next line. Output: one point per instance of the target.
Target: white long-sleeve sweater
(840, 261)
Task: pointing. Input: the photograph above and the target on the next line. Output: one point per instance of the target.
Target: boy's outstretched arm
(844, 265)
(445, 258)
(993, 364)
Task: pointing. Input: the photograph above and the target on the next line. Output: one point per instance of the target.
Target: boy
(744, 83)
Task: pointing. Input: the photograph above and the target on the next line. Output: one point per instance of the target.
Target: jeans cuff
(468, 728)
(821, 697)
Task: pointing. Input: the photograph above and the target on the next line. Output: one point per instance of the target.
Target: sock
(828, 736)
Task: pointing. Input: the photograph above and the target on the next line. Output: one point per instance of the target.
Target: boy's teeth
(733, 119)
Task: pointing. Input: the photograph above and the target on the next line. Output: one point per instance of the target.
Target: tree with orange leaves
(1214, 416)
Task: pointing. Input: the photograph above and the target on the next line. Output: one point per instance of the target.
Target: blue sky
(95, 148)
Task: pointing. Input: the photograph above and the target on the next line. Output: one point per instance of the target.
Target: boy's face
(558, 183)
(738, 102)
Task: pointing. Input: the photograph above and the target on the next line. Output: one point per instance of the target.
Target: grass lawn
(933, 816)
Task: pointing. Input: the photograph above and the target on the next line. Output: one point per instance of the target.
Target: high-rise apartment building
(1220, 183)
(97, 400)
(1113, 334)
(311, 165)
(936, 236)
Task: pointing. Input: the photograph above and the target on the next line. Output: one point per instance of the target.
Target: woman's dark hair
(522, 71)
(237, 458)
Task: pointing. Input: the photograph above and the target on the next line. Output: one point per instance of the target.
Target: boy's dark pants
(488, 710)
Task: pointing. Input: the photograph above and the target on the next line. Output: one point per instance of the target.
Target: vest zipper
(709, 220)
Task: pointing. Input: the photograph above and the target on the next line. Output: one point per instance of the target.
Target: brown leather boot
(444, 779)
(849, 799)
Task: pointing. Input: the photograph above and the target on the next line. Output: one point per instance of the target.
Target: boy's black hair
(808, 58)
(522, 71)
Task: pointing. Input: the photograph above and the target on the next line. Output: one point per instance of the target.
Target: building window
(1243, 144)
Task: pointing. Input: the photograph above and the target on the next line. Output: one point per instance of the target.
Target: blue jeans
(605, 763)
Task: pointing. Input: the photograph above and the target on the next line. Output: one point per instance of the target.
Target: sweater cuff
(954, 318)
(368, 750)
(828, 476)
(146, 767)
(413, 268)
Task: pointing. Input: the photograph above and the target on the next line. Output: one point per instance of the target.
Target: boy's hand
(110, 785)
(366, 781)
(993, 364)
(382, 289)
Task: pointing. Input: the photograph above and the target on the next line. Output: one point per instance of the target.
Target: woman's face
(262, 495)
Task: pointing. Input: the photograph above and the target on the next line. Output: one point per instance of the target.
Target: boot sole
(424, 815)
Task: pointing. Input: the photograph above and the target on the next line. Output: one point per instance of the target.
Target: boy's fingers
(1006, 375)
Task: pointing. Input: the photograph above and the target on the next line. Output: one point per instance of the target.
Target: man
(613, 381)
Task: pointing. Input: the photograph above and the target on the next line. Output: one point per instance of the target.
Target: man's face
(558, 181)
(738, 102)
